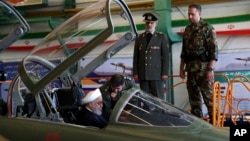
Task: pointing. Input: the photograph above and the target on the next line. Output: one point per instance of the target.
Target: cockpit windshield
(73, 34)
(143, 109)
(88, 32)
(17, 25)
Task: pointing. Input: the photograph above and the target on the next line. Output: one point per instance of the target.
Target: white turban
(91, 96)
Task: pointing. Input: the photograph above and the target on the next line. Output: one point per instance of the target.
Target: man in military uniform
(198, 57)
(151, 56)
(113, 89)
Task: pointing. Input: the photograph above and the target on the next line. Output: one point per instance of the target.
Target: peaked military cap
(150, 16)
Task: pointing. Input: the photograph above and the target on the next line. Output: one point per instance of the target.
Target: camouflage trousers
(199, 87)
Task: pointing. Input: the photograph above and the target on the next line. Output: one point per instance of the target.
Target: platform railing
(223, 105)
(238, 112)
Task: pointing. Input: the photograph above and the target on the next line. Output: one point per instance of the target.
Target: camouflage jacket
(108, 102)
(199, 46)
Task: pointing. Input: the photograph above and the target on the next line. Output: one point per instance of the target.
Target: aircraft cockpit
(143, 109)
(97, 28)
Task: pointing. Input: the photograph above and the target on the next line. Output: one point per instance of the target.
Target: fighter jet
(123, 66)
(136, 116)
(243, 59)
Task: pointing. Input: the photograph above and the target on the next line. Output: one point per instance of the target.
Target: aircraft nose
(215, 134)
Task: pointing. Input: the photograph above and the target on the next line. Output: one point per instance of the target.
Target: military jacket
(199, 46)
(151, 60)
(108, 102)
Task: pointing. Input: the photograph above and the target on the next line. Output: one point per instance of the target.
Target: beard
(97, 111)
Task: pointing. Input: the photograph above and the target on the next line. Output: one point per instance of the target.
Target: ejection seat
(68, 101)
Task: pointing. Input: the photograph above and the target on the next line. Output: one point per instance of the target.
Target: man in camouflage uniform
(151, 56)
(198, 57)
(113, 89)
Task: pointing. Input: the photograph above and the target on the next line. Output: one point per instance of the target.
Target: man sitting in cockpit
(91, 113)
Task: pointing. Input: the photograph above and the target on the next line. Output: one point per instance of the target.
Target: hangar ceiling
(36, 9)
(49, 11)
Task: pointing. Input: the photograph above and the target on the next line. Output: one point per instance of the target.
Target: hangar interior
(229, 17)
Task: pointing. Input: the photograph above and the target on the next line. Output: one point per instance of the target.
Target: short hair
(116, 80)
(196, 6)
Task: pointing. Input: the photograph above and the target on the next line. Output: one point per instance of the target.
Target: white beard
(98, 112)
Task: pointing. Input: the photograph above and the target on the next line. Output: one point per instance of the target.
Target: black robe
(88, 118)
